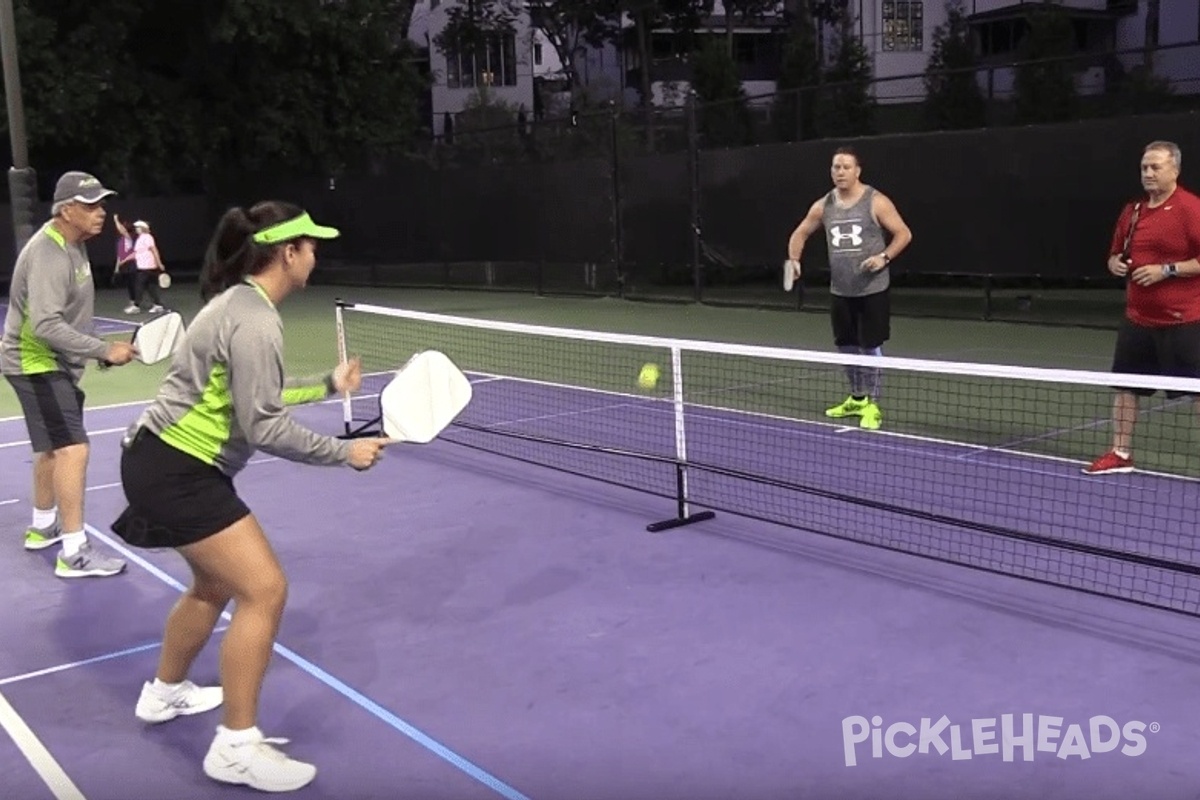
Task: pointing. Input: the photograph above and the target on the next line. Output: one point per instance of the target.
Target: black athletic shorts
(1172, 351)
(861, 321)
(174, 499)
(52, 404)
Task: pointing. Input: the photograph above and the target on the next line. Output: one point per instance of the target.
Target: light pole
(22, 181)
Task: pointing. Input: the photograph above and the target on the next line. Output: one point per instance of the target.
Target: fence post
(693, 164)
(618, 232)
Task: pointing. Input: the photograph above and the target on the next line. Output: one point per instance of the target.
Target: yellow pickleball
(648, 377)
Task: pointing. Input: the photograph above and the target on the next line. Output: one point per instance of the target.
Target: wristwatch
(1170, 270)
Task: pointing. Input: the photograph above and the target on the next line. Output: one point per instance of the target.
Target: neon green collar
(294, 228)
(260, 290)
(53, 233)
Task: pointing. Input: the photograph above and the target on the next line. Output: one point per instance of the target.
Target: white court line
(118, 320)
(88, 489)
(130, 404)
(117, 485)
(103, 432)
(36, 753)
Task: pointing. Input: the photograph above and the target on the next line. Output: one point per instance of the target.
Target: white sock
(165, 689)
(73, 542)
(44, 519)
(244, 736)
(1121, 453)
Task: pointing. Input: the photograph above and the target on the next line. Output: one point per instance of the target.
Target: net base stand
(680, 521)
(368, 429)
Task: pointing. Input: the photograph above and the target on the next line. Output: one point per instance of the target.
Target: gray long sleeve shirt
(225, 394)
(49, 325)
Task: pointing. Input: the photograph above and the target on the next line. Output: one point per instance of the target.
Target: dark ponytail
(232, 253)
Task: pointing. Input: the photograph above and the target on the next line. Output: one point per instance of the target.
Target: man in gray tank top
(855, 217)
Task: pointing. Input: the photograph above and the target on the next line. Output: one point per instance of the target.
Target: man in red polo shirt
(1155, 245)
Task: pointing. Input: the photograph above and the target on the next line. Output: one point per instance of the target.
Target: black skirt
(175, 499)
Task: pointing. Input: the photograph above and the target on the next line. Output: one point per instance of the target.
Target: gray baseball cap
(80, 187)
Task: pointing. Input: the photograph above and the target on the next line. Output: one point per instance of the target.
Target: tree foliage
(570, 26)
(724, 117)
(165, 96)
(844, 104)
(794, 107)
(953, 99)
(1045, 89)
(470, 24)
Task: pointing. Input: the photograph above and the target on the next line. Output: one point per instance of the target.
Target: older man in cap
(48, 338)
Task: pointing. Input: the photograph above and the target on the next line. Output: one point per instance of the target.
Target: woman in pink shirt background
(149, 264)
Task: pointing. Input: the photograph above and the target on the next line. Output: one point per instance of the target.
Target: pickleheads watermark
(1010, 737)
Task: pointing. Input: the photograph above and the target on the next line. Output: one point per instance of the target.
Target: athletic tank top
(853, 235)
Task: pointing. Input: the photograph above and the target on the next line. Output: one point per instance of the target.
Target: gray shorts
(53, 408)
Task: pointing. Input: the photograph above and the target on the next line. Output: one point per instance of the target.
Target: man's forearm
(897, 245)
(795, 247)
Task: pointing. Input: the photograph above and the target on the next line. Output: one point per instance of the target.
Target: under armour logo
(854, 235)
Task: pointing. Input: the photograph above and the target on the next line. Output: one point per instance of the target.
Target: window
(1000, 38)
(744, 50)
(903, 25)
(493, 63)
(537, 54)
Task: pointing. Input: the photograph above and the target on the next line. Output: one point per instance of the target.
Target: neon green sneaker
(848, 408)
(871, 417)
(41, 538)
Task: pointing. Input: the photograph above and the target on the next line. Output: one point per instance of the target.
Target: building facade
(899, 35)
(524, 70)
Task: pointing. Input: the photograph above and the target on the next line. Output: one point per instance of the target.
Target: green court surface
(311, 339)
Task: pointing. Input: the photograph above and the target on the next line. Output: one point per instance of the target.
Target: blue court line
(129, 651)
(351, 694)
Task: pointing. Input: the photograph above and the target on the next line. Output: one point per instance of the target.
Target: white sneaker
(154, 309)
(257, 765)
(133, 309)
(158, 706)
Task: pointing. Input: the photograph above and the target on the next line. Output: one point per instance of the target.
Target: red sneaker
(1109, 463)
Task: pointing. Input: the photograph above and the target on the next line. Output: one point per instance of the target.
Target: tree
(1045, 84)
(724, 118)
(953, 99)
(570, 25)
(64, 93)
(171, 94)
(844, 105)
(744, 11)
(485, 131)
(684, 18)
(644, 14)
(793, 110)
(1150, 40)
(472, 23)
(1140, 91)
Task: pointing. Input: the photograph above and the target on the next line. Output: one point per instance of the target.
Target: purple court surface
(465, 626)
